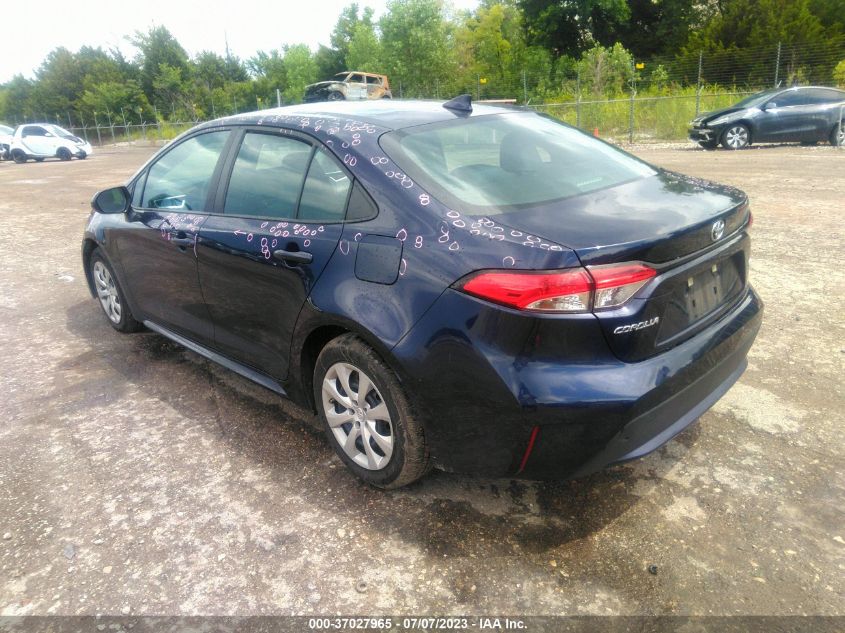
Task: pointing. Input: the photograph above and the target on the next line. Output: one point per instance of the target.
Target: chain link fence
(607, 92)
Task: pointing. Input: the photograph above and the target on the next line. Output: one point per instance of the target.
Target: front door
(282, 218)
(157, 247)
(787, 117)
(37, 141)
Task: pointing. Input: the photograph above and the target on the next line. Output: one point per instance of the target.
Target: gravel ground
(138, 478)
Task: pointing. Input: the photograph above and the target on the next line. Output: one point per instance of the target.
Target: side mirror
(114, 200)
(48, 134)
(770, 105)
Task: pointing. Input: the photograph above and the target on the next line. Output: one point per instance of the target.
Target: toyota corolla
(465, 286)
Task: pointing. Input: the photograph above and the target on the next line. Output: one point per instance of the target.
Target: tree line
(534, 50)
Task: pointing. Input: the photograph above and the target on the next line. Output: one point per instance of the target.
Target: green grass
(656, 118)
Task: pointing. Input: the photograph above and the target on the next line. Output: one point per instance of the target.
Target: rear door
(157, 244)
(281, 217)
(829, 104)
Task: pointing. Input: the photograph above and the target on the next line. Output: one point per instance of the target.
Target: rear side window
(267, 176)
(491, 164)
(180, 179)
(326, 190)
(826, 95)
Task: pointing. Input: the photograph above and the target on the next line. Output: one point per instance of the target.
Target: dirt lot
(136, 477)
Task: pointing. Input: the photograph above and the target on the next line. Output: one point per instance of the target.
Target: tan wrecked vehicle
(351, 85)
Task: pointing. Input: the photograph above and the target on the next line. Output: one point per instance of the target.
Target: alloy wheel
(107, 292)
(358, 416)
(737, 137)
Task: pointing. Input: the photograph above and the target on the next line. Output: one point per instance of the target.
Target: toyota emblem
(717, 230)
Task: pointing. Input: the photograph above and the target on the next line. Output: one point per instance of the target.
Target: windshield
(492, 164)
(341, 76)
(61, 132)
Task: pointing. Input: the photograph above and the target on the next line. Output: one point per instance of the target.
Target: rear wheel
(111, 297)
(64, 154)
(367, 416)
(837, 136)
(18, 156)
(736, 137)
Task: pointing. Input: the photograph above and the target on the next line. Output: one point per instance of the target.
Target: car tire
(19, 156)
(837, 135)
(63, 153)
(334, 95)
(736, 136)
(709, 144)
(82, 156)
(375, 434)
(110, 295)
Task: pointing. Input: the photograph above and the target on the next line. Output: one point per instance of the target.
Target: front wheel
(334, 95)
(837, 136)
(736, 137)
(111, 297)
(367, 416)
(64, 154)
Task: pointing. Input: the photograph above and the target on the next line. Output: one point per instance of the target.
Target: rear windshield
(497, 163)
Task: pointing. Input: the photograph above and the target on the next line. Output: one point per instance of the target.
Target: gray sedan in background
(806, 115)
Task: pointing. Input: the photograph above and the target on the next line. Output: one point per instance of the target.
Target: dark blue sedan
(464, 286)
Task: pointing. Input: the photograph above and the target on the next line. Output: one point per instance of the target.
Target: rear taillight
(571, 290)
(617, 283)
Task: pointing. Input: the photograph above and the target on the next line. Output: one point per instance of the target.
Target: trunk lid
(655, 219)
(689, 230)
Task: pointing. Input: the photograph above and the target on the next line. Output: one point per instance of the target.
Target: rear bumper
(483, 382)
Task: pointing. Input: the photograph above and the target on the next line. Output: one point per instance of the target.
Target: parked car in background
(6, 134)
(45, 140)
(807, 115)
(467, 286)
(350, 86)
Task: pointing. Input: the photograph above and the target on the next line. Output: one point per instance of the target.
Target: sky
(249, 25)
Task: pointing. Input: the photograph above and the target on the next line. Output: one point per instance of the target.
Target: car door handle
(294, 257)
(182, 241)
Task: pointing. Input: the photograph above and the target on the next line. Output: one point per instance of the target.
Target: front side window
(34, 130)
(496, 163)
(180, 180)
(791, 98)
(267, 176)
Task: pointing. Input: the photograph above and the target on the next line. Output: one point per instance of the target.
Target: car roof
(391, 114)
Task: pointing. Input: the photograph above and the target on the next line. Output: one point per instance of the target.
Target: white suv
(45, 140)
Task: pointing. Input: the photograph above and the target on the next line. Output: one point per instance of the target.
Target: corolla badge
(633, 327)
(717, 230)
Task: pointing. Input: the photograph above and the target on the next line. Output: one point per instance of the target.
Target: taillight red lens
(564, 291)
(572, 290)
(617, 283)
